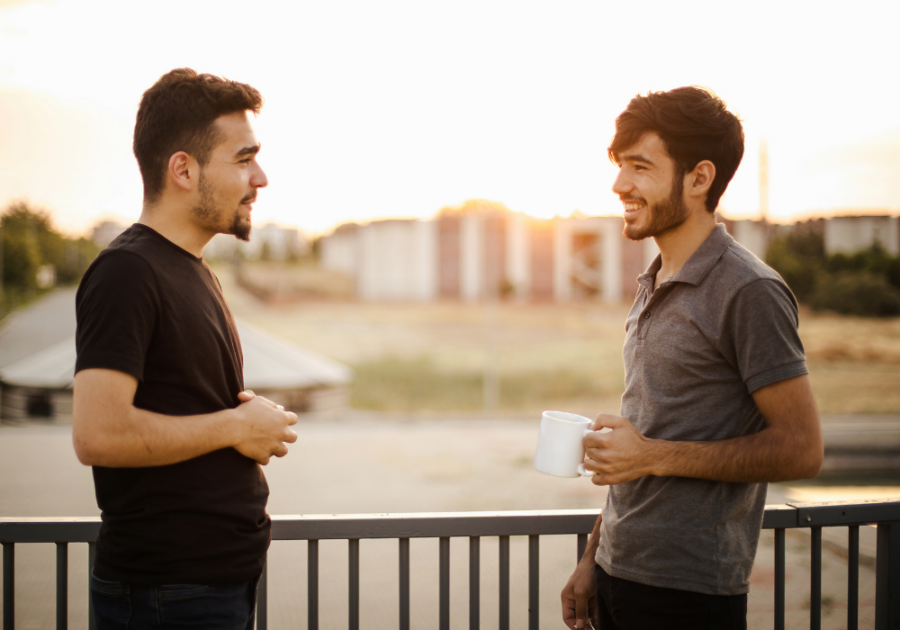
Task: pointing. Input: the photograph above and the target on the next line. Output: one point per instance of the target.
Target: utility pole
(1, 266)
(489, 289)
(763, 179)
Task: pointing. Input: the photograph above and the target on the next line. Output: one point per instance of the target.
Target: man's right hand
(265, 428)
(578, 597)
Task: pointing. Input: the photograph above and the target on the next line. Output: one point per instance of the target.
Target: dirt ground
(854, 362)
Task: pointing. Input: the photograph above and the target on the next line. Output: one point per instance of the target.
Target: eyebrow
(635, 157)
(249, 150)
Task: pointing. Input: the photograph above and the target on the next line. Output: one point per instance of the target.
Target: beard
(210, 212)
(664, 217)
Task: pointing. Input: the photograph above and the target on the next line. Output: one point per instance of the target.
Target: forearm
(773, 454)
(590, 551)
(141, 438)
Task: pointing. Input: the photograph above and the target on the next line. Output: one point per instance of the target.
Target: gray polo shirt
(695, 350)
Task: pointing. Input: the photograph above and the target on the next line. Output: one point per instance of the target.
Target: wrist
(656, 453)
(233, 426)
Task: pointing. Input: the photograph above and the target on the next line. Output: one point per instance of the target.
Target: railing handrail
(37, 529)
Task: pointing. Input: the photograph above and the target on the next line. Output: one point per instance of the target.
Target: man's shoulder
(739, 267)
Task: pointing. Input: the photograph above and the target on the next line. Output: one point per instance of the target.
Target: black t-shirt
(148, 308)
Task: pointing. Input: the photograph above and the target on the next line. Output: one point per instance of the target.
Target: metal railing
(474, 526)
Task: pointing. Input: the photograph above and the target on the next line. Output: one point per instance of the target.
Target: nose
(259, 179)
(622, 184)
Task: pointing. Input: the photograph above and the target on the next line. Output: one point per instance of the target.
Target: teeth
(631, 207)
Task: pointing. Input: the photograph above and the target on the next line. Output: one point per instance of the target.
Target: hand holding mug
(560, 450)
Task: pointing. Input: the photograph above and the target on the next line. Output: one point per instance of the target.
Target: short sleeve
(762, 321)
(117, 305)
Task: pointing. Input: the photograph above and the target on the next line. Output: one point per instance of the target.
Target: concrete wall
(397, 260)
(752, 235)
(340, 252)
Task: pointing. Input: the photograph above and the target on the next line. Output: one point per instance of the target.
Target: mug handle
(581, 470)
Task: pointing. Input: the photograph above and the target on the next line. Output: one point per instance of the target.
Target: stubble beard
(208, 212)
(665, 216)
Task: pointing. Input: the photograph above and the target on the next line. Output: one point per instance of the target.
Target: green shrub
(799, 258)
(856, 293)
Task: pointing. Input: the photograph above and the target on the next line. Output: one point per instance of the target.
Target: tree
(30, 241)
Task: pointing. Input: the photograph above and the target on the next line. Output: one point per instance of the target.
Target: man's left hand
(616, 456)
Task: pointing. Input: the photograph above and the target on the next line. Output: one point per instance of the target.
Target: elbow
(810, 465)
(90, 445)
(85, 450)
(814, 466)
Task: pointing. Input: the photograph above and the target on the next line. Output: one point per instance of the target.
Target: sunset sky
(397, 108)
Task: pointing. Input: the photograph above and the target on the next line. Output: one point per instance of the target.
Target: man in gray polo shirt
(717, 399)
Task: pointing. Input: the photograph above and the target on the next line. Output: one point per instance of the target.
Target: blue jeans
(120, 606)
(626, 605)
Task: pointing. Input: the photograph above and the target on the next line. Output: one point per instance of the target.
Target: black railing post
(815, 577)
(779, 579)
(887, 577)
(62, 586)
(354, 584)
(474, 583)
(534, 582)
(404, 584)
(444, 583)
(9, 586)
(853, 577)
(312, 584)
(504, 582)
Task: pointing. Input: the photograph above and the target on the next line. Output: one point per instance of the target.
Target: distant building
(488, 254)
(848, 235)
(105, 232)
(267, 242)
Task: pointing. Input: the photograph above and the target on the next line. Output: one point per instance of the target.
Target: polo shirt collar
(699, 264)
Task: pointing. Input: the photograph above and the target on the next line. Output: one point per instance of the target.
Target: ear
(698, 181)
(183, 171)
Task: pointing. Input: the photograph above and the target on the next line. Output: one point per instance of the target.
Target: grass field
(432, 357)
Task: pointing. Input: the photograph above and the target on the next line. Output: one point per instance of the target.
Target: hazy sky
(398, 108)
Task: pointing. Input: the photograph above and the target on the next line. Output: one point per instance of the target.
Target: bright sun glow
(399, 108)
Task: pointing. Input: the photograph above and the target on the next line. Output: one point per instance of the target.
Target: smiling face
(650, 188)
(228, 183)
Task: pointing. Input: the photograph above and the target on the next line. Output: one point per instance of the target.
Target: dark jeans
(626, 605)
(120, 606)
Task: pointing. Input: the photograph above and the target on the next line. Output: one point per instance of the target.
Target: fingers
(246, 395)
(608, 421)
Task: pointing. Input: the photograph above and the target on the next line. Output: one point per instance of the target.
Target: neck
(174, 224)
(678, 245)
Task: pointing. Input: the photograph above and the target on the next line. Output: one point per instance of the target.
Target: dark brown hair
(693, 124)
(178, 114)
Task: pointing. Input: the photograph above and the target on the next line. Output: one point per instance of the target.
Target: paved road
(373, 464)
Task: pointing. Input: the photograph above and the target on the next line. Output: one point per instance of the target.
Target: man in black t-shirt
(160, 411)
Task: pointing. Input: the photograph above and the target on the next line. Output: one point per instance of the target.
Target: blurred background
(438, 256)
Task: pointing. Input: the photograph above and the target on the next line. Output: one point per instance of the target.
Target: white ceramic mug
(559, 448)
